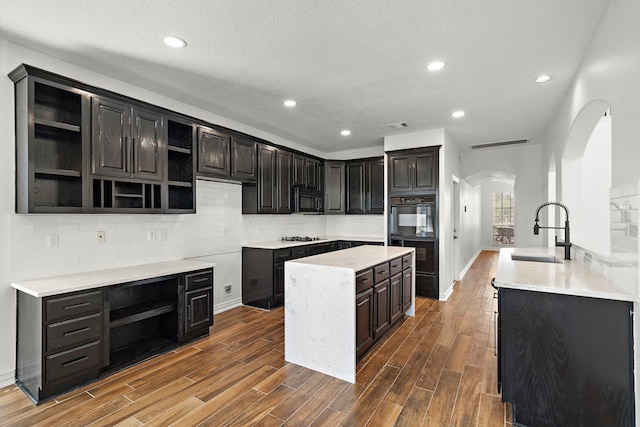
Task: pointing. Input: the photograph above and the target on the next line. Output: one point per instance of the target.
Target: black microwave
(306, 200)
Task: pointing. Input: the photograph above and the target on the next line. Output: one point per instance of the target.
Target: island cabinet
(383, 295)
(66, 339)
(339, 304)
(566, 360)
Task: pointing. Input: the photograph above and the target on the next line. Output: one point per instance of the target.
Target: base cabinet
(381, 300)
(67, 340)
(566, 360)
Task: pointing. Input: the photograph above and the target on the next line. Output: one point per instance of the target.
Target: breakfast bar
(338, 304)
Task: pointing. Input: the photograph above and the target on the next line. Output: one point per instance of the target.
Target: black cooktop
(300, 239)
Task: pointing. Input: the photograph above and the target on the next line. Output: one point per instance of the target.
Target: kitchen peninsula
(338, 304)
(564, 338)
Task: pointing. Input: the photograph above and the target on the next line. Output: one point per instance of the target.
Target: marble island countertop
(56, 285)
(356, 259)
(567, 277)
(279, 244)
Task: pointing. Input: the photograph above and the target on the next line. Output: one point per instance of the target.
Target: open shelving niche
(57, 127)
(143, 320)
(180, 146)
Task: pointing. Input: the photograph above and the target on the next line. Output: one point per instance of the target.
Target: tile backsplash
(621, 267)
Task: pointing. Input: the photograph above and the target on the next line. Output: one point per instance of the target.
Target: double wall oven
(413, 222)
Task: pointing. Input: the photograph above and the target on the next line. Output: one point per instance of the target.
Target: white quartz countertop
(278, 244)
(56, 285)
(567, 277)
(356, 259)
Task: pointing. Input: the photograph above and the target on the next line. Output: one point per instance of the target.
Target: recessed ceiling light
(289, 103)
(543, 78)
(457, 114)
(436, 65)
(345, 132)
(174, 41)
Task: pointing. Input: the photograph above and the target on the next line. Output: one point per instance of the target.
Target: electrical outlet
(102, 237)
(53, 241)
(163, 234)
(151, 234)
(227, 289)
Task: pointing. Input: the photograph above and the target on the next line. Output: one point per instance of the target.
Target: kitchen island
(564, 338)
(338, 304)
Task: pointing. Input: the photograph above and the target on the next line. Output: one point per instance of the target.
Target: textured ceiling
(355, 64)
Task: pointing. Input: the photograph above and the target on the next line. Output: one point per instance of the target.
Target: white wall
(470, 222)
(525, 162)
(585, 186)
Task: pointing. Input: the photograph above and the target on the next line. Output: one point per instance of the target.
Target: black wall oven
(413, 222)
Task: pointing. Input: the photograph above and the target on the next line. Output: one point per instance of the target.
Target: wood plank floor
(436, 369)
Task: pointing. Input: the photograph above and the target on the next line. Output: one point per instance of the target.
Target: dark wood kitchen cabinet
(51, 136)
(334, 187)
(566, 360)
(82, 149)
(244, 159)
(69, 339)
(126, 142)
(214, 155)
(272, 193)
(413, 171)
(355, 187)
(225, 156)
(383, 295)
(263, 272)
(306, 172)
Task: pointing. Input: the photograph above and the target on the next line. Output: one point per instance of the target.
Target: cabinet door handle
(188, 312)
(77, 331)
(74, 306)
(73, 362)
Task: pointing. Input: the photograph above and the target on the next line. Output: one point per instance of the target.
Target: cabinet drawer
(299, 252)
(364, 281)
(406, 262)
(281, 255)
(395, 266)
(72, 332)
(199, 280)
(70, 362)
(381, 272)
(60, 308)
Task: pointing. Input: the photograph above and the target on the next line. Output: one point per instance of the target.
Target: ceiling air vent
(498, 144)
(398, 125)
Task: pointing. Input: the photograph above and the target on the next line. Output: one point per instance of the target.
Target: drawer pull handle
(71, 307)
(382, 272)
(200, 280)
(73, 362)
(77, 331)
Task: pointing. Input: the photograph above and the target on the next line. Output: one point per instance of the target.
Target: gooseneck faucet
(567, 241)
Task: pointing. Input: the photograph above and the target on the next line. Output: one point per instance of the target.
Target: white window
(503, 214)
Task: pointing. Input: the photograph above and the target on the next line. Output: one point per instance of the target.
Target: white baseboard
(227, 305)
(469, 264)
(445, 296)
(8, 378)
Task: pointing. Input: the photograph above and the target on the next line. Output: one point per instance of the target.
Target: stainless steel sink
(536, 258)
